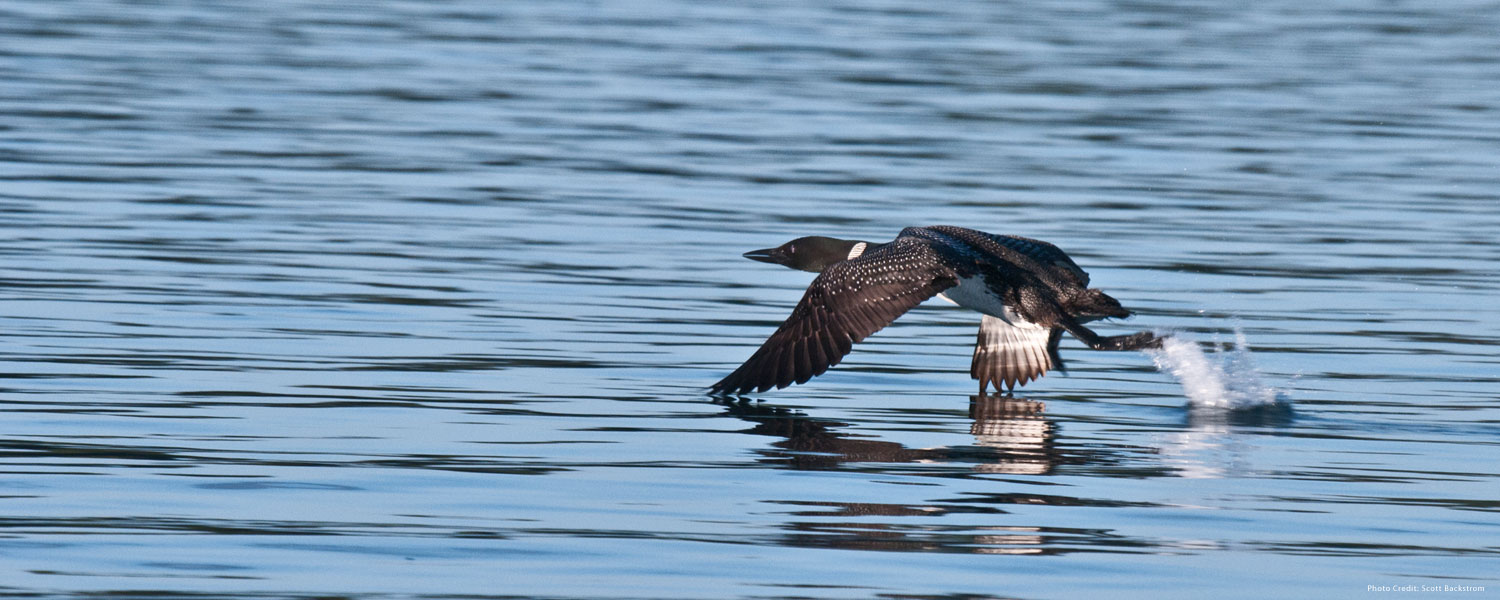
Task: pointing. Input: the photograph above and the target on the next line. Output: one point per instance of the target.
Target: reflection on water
(1016, 428)
(1211, 445)
(1010, 436)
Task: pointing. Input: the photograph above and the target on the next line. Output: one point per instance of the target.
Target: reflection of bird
(1028, 290)
(1011, 436)
(1017, 429)
(817, 444)
(1016, 448)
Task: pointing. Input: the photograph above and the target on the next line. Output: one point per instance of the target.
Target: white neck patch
(856, 251)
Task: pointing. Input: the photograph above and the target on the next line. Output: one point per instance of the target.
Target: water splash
(1226, 379)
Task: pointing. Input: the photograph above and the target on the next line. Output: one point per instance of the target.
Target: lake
(393, 299)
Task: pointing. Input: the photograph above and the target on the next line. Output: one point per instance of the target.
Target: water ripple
(421, 300)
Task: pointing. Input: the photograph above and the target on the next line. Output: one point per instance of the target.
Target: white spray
(1224, 380)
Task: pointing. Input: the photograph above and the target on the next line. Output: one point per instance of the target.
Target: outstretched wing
(1010, 355)
(845, 304)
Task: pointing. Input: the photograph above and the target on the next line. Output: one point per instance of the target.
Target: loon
(1029, 292)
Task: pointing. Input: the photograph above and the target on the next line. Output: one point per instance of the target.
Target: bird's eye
(791, 249)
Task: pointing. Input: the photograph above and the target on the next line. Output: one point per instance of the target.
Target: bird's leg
(1143, 340)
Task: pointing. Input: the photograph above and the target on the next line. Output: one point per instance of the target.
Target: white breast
(973, 294)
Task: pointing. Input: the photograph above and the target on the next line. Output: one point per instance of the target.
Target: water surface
(420, 300)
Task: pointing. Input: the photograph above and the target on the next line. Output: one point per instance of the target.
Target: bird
(1028, 291)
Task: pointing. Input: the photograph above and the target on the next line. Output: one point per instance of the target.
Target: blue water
(420, 300)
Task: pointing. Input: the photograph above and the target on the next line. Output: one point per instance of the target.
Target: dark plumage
(1029, 291)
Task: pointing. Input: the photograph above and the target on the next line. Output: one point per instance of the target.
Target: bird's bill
(768, 255)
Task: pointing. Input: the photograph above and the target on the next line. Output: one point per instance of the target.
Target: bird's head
(813, 253)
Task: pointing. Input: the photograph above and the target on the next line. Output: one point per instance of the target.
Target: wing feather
(845, 304)
(1010, 355)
